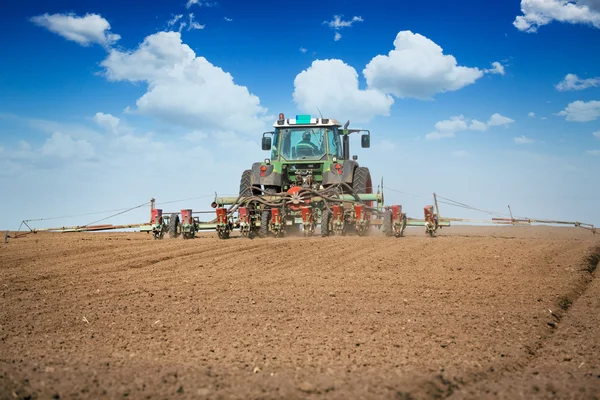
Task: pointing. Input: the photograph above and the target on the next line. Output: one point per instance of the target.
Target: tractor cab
(304, 151)
(306, 143)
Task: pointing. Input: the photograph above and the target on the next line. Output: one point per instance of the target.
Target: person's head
(306, 136)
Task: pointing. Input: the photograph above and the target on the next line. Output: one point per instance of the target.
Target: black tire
(361, 182)
(263, 229)
(173, 226)
(325, 221)
(246, 184)
(387, 223)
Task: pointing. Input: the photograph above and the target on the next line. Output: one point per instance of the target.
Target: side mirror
(266, 143)
(365, 141)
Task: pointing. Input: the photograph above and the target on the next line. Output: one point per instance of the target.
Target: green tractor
(311, 156)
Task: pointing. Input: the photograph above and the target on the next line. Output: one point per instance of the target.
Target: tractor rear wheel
(173, 226)
(387, 223)
(361, 183)
(246, 184)
(325, 221)
(263, 229)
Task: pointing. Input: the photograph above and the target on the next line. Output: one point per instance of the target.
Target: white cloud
(523, 140)
(499, 120)
(580, 111)
(91, 28)
(495, 120)
(597, 134)
(65, 147)
(453, 124)
(417, 68)
(497, 68)
(338, 23)
(573, 82)
(193, 24)
(460, 153)
(107, 121)
(476, 125)
(332, 86)
(537, 13)
(174, 20)
(447, 128)
(201, 3)
(593, 152)
(439, 135)
(183, 88)
(228, 19)
(531, 114)
(303, 50)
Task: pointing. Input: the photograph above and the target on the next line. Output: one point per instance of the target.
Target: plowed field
(504, 312)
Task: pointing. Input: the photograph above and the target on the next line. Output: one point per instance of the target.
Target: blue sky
(104, 105)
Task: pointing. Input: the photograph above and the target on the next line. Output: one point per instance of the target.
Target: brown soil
(475, 313)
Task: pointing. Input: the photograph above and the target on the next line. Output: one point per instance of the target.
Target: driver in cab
(306, 147)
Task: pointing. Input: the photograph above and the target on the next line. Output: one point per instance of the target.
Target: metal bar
(223, 201)
(81, 228)
(437, 209)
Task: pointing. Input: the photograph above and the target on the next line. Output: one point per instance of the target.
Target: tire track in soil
(474, 384)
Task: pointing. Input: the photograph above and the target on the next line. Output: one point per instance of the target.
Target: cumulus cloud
(531, 114)
(184, 88)
(538, 13)
(64, 146)
(596, 134)
(332, 86)
(497, 68)
(303, 50)
(580, 111)
(573, 82)
(499, 120)
(523, 140)
(417, 67)
(476, 125)
(338, 23)
(107, 121)
(228, 19)
(447, 128)
(453, 124)
(91, 28)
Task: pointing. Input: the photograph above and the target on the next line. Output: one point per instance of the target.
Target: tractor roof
(305, 120)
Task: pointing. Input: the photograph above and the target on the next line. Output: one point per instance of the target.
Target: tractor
(310, 157)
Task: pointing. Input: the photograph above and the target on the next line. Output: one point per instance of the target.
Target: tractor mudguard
(270, 178)
(331, 176)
